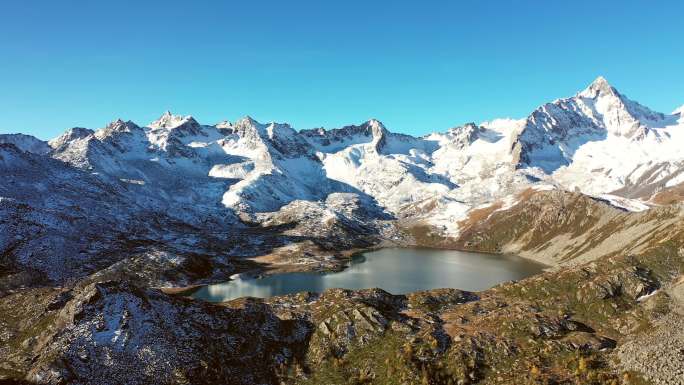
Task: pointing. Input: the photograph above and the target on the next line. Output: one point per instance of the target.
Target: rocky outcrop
(372, 131)
(114, 333)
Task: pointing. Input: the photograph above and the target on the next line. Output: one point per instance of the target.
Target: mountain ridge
(543, 147)
(223, 178)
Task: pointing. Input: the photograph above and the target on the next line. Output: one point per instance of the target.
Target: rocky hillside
(584, 324)
(562, 228)
(591, 321)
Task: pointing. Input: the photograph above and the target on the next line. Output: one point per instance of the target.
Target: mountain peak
(376, 127)
(247, 120)
(116, 128)
(169, 120)
(70, 135)
(599, 87)
(120, 125)
(372, 122)
(600, 81)
(116, 123)
(78, 132)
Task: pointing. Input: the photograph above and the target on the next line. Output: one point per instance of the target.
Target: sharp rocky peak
(169, 121)
(78, 132)
(248, 125)
(470, 126)
(115, 128)
(599, 87)
(279, 139)
(605, 109)
(241, 126)
(120, 125)
(372, 127)
(70, 135)
(247, 121)
(375, 124)
(464, 135)
(378, 132)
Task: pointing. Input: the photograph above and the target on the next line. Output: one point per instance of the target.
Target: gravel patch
(659, 354)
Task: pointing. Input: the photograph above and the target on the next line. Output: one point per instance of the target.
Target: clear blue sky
(418, 66)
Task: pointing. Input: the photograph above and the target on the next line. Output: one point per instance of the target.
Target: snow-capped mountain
(224, 177)
(249, 167)
(555, 131)
(26, 143)
(256, 167)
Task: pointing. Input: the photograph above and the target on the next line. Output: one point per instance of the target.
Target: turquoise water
(397, 271)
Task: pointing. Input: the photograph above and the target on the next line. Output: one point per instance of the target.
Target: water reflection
(397, 271)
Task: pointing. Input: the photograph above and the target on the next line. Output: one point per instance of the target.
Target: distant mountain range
(218, 179)
(598, 141)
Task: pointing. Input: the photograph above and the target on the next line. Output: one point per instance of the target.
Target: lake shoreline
(414, 269)
(341, 262)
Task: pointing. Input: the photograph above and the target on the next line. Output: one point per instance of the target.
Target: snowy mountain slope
(640, 151)
(555, 131)
(149, 161)
(59, 223)
(389, 167)
(597, 141)
(26, 143)
(479, 160)
(278, 166)
(394, 169)
(53, 216)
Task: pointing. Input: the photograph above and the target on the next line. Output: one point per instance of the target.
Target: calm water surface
(397, 271)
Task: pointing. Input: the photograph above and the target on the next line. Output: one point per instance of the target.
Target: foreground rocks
(658, 351)
(556, 328)
(115, 333)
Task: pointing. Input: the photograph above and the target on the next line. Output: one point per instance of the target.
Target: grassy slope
(562, 228)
